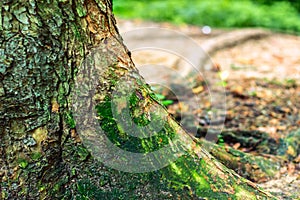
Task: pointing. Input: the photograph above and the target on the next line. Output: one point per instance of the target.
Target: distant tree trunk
(42, 45)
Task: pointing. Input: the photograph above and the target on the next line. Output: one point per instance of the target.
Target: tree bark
(44, 47)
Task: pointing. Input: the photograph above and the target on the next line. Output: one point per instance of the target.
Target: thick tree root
(269, 155)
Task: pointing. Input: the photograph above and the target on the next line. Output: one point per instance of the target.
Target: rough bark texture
(42, 43)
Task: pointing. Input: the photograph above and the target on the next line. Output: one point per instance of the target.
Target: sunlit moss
(23, 163)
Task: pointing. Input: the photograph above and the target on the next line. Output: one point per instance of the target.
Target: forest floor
(260, 76)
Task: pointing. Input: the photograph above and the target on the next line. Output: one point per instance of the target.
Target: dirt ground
(260, 77)
(271, 67)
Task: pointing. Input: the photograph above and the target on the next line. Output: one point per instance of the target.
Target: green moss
(36, 156)
(86, 190)
(18, 129)
(70, 120)
(186, 172)
(119, 131)
(58, 187)
(241, 193)
(4, 194)
(1, 27)
(82, 152)
(200, 179)
(186, 178)
(42, 188)
(76, 31)
(62, 95)
(134, 99)
(81, 10)
(73, 171)
(23, 163)
(289, 146)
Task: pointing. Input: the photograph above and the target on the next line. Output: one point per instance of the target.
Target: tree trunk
(59, 61)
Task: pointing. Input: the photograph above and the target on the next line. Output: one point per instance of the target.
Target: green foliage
(163, 99)
(167, 102)
(278, 15)
(294, 3)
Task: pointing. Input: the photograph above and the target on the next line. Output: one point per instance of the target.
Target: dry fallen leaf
(197, 90)
(236, 145)
(297, 159)
(183, 107)
(291, 151)
(237, 90)
(245, 61)
(291, 168)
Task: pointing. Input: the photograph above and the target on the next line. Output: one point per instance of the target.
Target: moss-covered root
(195, 171)
(256, 168)
(194, 175)
(287, 147)
(206, 177)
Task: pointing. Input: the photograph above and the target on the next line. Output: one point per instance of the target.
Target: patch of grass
(279, 15)
(287, 83)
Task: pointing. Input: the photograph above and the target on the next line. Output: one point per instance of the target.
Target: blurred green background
(278, 15)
